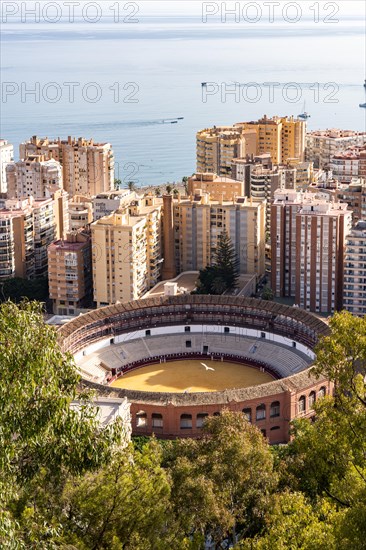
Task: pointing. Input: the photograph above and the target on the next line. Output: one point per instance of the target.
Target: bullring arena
(181, 358)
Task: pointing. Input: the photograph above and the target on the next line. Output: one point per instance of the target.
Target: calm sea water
(152, 71)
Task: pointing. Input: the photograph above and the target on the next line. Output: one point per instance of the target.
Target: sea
(139, 84)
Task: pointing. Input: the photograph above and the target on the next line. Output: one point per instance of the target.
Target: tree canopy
(223, 274)
(65, 482)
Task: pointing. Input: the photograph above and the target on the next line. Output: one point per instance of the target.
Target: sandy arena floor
(192, 375)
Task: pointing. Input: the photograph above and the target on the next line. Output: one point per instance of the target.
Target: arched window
(185, 421)
(274, 428)
(275, 409)
(200, 419)
(261, 412)
(322, 392)
(264, 433)
(141, 419)
(312, 399)
(216, 414)
(247, 414)
(157, 420)
(302, 404)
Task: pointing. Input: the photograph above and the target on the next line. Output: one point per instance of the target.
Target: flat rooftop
(186, 280)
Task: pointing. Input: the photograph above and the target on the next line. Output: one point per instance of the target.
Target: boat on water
(180, 118)
(304, 115)
(363, 105)
(364, 84)
(173, 122)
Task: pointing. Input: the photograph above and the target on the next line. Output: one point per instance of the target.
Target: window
(263, 334)
(321, 392)
(200, 419)
(186, 422)
(187, 329)
(264, 433)
(205, 349)
(275, 409)
(141, 419)
(312, 399)
(216, 414)
(302, 404)
(226, 329)
(248, 414)
(274, 428)
(188, 344)
(261, 412)
(147, 332)
(157, 420)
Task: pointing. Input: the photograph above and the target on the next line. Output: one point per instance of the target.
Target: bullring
(277, 340)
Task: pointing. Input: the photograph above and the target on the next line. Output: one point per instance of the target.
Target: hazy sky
(187, 7)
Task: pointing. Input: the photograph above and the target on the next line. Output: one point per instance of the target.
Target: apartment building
(216, 147)
(28, 228)
(348, 164)
(354, 290)
(308, 233)
(323, 145)
(282, 137)
(353, 193)
(34, 177)
(6, 156)
(218, 187)
(70, 273)
(80, 212)
(126, 251)
(198, 222)
(61, 213)
(16, 240)
(44, 234)
(88, 167)
(107, 203)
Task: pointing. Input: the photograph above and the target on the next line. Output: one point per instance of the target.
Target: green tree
(223, 274)
(175, 192)
(125, 505)
(157, 191)
(131, 185)
(42, 439)
(226, 261)
(293, 522)
(221, 481)
(168, 188)
(267, 293)
(185, 184)
(16, 289)
(117, 184)
(326, 459)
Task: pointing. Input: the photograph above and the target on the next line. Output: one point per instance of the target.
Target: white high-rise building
(6, 156)
(354, 290)
(33, 177)
(88, 167)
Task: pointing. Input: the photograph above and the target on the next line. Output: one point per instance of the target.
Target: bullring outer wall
(163, 411)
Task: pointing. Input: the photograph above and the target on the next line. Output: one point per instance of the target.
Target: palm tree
(168, 188)
(131, 186)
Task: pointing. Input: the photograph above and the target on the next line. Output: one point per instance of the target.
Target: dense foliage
(17, 289)
(223, 274)
(67, 483)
